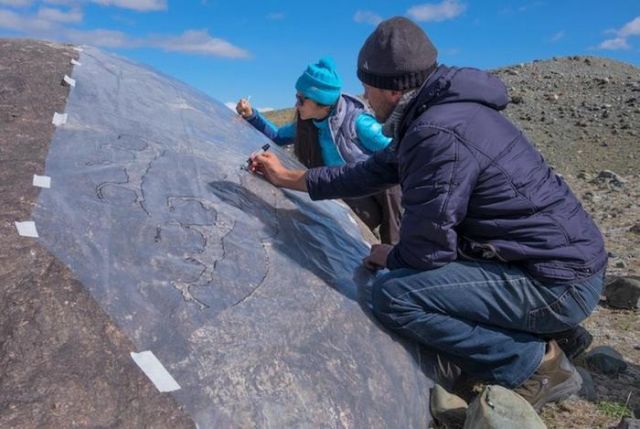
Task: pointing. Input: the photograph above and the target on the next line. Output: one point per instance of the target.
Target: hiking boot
(447, 409)
(555, 379)
(573, 342)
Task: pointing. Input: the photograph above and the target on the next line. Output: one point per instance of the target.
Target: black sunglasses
(300, 99)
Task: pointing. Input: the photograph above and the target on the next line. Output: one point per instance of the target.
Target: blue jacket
(348, 134)
(473, 186)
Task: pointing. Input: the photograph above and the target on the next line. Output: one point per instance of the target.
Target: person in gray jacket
(333, 129)
(497, 258)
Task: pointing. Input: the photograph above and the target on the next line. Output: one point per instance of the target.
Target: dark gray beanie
(397, 55)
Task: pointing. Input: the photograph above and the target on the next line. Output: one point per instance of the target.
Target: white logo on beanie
(366, 65)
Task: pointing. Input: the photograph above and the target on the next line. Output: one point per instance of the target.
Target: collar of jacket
(427, 95)
(337, 114)
(390, 126)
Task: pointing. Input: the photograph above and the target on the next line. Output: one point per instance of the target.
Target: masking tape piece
(27, 229)
(59, 119)
(75, 62)
(156, 372)
(69, 81)
(41, 181)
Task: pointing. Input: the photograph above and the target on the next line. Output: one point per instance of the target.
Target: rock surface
(624, 292)
(497, 407)
(233, 284)
(606, 360)
(63, 362)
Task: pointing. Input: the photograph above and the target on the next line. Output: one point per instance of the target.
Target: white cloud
(57, 15)
(367, 17)
(614, 44)
(631, 28)
(65, 2)
(16, 22)
(232, 105)
(197, 42)
(509, 10)
(435, 12)
(139, 5)
(101, 38)
(557, 37)
(49, 24)
(9, 20)
(276, 16)
(15, 3)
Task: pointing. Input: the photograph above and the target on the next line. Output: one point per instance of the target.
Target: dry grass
(280, 117)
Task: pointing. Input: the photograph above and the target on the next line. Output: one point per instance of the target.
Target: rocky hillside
(583, 114)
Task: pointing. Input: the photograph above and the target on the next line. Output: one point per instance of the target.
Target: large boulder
(252, 298)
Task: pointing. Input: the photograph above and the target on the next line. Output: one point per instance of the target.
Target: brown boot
(447, 409)
(555, 379)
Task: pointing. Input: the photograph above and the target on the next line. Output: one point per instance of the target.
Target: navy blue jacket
(473, 186)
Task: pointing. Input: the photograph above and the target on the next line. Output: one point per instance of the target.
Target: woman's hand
(377, 259)
(268, 164)
(244, 108)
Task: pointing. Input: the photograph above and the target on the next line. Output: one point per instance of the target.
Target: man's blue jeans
(486, 317)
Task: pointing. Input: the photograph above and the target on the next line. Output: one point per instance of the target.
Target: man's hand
(244, 108)
(268, 164)
(377, 259)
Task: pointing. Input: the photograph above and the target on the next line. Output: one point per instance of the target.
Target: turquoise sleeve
(369, 132)
(281, 136)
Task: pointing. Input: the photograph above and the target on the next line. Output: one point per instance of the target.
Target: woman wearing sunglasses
(332, 129)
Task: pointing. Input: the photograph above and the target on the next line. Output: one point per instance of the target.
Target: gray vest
(342, 125)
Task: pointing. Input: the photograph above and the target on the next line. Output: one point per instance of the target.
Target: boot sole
(563, 390)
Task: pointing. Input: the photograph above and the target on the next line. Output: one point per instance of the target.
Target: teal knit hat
(320, 82)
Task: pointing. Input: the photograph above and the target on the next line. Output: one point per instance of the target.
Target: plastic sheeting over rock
(252, 297)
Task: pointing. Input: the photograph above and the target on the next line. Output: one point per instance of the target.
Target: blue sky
(231, 49)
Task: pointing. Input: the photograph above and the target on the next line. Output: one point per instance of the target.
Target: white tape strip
(27, 229)
(41, 181)
(75, 62)
(69, 81)
(156, 372)
(59, 119)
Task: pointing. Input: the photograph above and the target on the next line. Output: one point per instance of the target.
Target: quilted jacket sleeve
(367, 177)
(438, 176)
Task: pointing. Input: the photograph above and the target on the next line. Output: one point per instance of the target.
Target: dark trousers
(380, 210)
